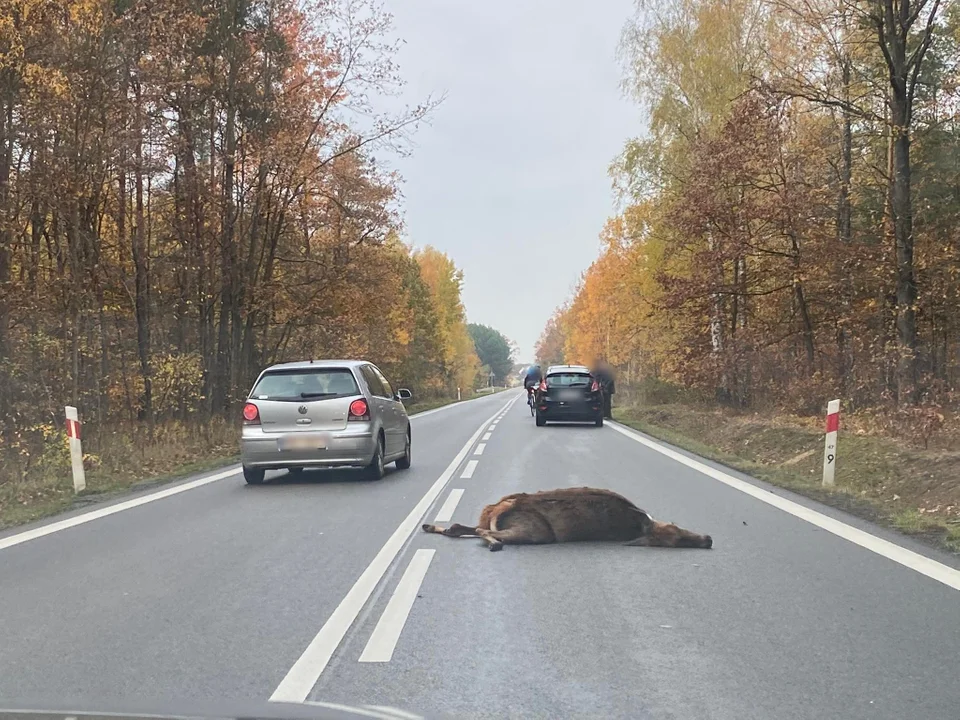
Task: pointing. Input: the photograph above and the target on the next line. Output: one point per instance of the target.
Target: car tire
(599, 421)
(403, 462)
(541, 420)
(375, 470)
(253, 476)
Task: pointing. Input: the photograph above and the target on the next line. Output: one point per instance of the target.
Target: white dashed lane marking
(449, 506)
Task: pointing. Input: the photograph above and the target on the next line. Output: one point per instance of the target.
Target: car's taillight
(359, 410)
(543, 386)
(595, 387)
(251, 414)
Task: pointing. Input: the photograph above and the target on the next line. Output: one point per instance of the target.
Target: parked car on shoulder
(324, 413)
(569, 393)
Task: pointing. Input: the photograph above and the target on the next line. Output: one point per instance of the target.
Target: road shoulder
(798, 475)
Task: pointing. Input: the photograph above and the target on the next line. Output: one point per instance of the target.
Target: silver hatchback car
(325, 413)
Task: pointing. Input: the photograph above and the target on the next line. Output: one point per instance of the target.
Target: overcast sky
(510, 178)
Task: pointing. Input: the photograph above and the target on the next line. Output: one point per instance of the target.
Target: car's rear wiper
(306, 395)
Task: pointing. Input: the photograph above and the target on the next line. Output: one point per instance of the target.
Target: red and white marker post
(830, 444)
(76, 453)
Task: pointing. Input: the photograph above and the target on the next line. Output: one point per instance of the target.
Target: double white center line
(446, 511)
(301, 678)
(386, 635)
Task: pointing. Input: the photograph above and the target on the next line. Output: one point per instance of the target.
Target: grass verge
(916, 492)
(426, 405)
(433, 404)
(40, 485)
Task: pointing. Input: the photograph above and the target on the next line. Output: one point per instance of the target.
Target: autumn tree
(760, 252)
(551, 346)
(445, 281)
(897, 35)
(609, 316)
(188, 192)
(493, 350)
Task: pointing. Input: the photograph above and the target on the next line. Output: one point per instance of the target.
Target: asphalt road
(324, 589)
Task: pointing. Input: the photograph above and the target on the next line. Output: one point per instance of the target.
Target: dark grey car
(324, 413)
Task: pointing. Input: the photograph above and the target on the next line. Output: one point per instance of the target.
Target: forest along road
(324, 589)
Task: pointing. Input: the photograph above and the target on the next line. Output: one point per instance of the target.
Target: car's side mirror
(404, 394)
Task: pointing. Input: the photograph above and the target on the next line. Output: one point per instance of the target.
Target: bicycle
(531, 401)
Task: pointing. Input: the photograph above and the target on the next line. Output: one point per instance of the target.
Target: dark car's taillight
(359, 410)
(251, 414)
(543, 386)
(595, 387)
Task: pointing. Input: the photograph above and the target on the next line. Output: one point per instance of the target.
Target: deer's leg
(669, 535)
(456, 530)
(520, 529)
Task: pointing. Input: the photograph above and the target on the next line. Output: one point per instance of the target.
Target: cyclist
(532, 378)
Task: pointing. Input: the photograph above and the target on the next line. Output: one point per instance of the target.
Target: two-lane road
(325, 589)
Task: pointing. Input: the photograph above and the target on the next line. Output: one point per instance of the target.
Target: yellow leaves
(612, 314)
(87, 14)
(550, 348)
(445, 280)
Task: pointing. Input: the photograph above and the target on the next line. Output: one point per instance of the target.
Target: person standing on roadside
(604, 375)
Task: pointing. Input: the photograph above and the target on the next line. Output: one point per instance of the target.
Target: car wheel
(541, 420)
(375, 470)
(599, 421)
(253, 476)
(403, 463)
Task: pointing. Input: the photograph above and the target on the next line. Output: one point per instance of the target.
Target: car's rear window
(316, 384)
(568, 379)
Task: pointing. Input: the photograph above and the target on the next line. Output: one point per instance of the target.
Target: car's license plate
(303, 441)
(568, 395)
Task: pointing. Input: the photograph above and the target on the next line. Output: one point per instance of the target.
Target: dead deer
(571, 515)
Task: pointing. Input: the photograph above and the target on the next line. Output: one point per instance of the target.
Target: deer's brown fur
(571, 515)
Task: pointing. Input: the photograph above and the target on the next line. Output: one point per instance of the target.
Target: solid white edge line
(455, 403)
(480, 448)
(468, 470)
(102, 512)
(909, 559)
(449, 506)
(91, 515)
(394, 713)
(370, 711)
(296, 685)
(386, 634)
(448, 406)
(486, 436)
